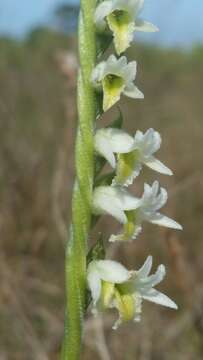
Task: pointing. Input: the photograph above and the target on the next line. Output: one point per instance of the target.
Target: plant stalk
(76, 251)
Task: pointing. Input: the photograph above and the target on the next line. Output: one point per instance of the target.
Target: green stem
(75, 263)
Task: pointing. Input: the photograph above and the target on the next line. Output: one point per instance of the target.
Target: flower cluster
(111, 285)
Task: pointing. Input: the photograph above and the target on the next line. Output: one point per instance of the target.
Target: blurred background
(38, 65)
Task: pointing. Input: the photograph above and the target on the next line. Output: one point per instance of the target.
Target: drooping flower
(132, 211)
(122, 18)
(113, 286)
(130, 152)
(115, 77)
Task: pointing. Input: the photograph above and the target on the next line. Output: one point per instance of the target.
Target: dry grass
(37, 123)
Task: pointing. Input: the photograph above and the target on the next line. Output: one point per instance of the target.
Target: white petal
(130, 71)
(128, 5)
(141, 25)
(101, 12)
(115, 66)
(103, 147)
(147, 191)
(113, 200)
(152, 200)
(94, 282)
(121, 197)
(138, 6)
(149, 143)
(155, 188)
(122, 62)
(152, 280)
(105, 201)
(158, 276)
(121, 142)
(138, 136)
(160, 298)
(112, 271)
(146, 268)
(128, 201)
(157, 165)
(161, 198)
(163, 220)
(133, 92)
(98, 73)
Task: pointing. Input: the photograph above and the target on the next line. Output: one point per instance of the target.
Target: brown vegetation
(37, 128)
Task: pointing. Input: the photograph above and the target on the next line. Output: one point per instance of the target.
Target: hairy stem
(75, 263)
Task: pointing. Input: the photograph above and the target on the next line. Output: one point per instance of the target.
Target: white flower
(121, 16)
(131, 211)
(115, 77)
(131, 152)
(113, 286)
(104, 271)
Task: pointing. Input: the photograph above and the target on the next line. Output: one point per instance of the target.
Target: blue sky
(180, 21)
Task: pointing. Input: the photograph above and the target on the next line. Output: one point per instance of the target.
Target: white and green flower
(115, 77)
(122, 18)
(126, 154)
(113, 286)
(132, 211)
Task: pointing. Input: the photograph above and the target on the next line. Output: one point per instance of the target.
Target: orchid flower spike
(116, 77)
(131, 211)
(130, 152)
(113, 286)
(121, 16)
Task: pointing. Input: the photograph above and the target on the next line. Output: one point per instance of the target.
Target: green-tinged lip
(126, 166)
(129, 229)
(107, 294)
(125, 305)
(113, 86)
(130, 226)
(127, 287)
(121, 25)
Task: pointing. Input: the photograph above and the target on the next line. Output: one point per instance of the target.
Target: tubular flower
(121, 16)
(130, 152)
(116, 77)
(113, 286)
(131, 211)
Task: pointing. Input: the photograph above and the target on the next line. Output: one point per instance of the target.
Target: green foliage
(103, 42)
(97, 252)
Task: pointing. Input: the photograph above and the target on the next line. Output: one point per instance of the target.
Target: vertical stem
(75, 263)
